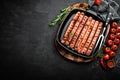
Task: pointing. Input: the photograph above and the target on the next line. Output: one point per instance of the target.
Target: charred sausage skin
(82, 33)
(94, 39)
(70, 27)
(73, 41)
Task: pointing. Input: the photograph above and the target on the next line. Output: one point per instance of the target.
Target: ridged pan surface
(63, 27)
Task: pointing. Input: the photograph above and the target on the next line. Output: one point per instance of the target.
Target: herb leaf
(71, 34)
(60, 17)
(119, 22)
(63, 16)
(100, 53)
(54, 22)
(63, 10)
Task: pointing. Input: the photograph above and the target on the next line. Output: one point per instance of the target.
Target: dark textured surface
(27, 47)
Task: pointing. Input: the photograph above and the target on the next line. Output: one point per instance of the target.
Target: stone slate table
(27, 49)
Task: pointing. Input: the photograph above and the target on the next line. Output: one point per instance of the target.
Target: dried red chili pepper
(101, 61)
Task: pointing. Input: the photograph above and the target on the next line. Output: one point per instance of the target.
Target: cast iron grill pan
(64, 26)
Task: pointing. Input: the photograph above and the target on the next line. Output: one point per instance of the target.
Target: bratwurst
(70, 27)
(82, 33)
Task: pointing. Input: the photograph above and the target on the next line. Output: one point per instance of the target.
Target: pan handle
(108, 18)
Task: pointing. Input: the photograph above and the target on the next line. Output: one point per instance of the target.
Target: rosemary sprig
(60, 17)
(64, 12)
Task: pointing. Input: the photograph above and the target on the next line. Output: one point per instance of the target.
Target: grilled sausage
(82, 33)
(91, 35)
(70, 27)
(94, 39)
(72, 43)
(89, 38)
(88, 30)
(71, 34)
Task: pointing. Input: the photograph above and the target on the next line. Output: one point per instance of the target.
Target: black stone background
(27, 49)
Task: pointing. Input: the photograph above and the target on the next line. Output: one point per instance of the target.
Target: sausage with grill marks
(89, 39)
(70, 27)
(71, 34)
(88, 30)
(94, 39)
(72, 43)
(82, 33)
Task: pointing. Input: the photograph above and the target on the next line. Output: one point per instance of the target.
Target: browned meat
(70, 27)
(72, 43)
(83, 31)
(87, 32)
(89, 39)
(94, 39)
(71, 34)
